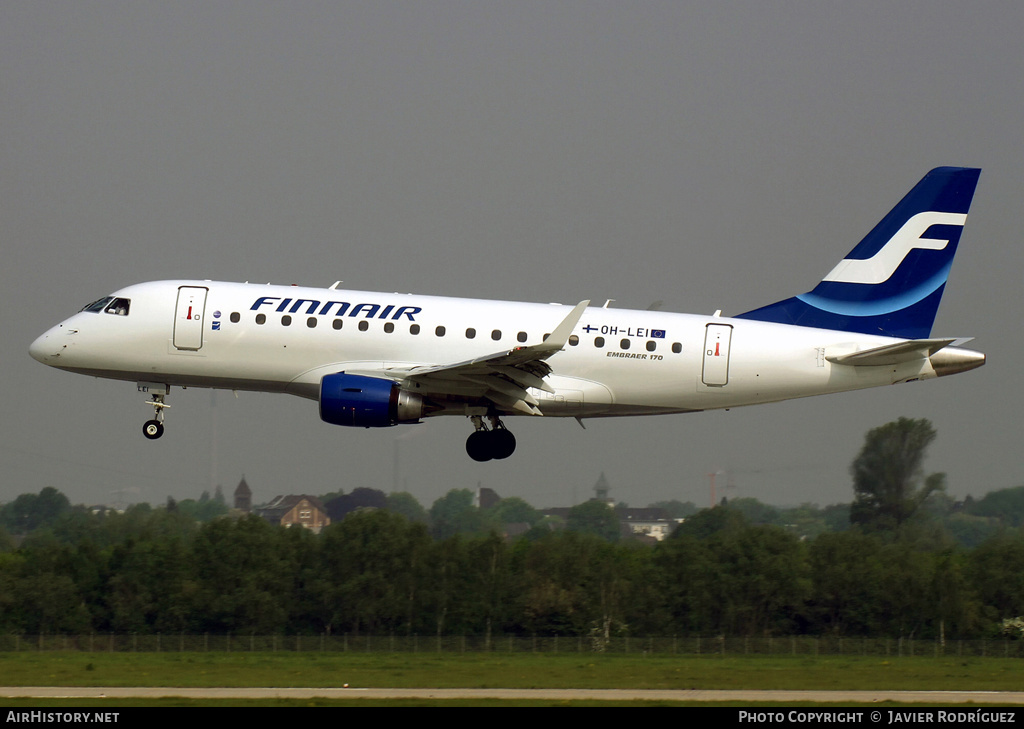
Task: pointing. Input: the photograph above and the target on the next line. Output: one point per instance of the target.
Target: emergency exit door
(188, 317)
(716, 355)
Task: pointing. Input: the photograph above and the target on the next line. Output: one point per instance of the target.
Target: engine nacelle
(367, 402)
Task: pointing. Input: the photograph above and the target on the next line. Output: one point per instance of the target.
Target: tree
(721, 573)
(205, 509)
(243, 579)
(578, 583)
(887, 474)
(31, 511)
(404, 503)
(514, 510)
(360, 498)
(994, 569)
(375, 565)
(761, 582)
(806, 520)
(755, 511)
(709, 522)
(847, 576)
(686, 572)
(1007, 505)
(454, 513)
(469, 588)
(675, 509)
(6, 543)
(594, 517)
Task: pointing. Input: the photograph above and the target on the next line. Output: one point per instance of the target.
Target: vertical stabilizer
(892, 282)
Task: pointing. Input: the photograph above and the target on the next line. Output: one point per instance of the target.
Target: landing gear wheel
(503, 443)
(478, 446)
(153, 429)
(486, 444)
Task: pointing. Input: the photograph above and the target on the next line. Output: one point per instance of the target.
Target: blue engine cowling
(367, 402)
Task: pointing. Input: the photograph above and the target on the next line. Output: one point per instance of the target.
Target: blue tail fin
(891, 283)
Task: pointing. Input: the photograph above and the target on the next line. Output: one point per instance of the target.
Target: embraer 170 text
(375, 360)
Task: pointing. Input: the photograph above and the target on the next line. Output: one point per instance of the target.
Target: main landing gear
(154, 428)
(495, 442)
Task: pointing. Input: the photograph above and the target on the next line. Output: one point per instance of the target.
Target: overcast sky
(709, 155)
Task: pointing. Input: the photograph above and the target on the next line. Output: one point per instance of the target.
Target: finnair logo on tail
(882, 265)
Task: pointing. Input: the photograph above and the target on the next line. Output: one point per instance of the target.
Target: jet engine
(367, 402)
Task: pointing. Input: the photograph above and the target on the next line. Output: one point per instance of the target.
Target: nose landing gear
(495, 443)
(154, 428)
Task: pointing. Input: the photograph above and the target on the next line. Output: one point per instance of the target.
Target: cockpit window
(98, 305)
(118, 306)
(110, 305)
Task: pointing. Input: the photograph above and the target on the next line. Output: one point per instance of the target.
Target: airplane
(378, 360)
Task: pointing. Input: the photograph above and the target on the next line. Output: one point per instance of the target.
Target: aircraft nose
(38, 349)
(46, 348)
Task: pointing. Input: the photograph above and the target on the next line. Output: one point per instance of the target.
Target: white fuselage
(617, 362)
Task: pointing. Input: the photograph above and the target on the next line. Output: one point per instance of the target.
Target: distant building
(243, 496)
(649, 522)
(485, 498)
(296, 509)
(641, 523)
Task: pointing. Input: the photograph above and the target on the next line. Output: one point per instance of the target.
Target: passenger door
(188, 317)
(716, 355)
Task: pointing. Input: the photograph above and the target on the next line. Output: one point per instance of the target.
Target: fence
(692, 645)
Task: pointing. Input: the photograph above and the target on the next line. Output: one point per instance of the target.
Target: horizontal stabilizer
(891, 354)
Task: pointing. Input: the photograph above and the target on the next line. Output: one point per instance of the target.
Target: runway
(1003, 698)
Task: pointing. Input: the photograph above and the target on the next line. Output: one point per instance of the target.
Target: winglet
(558, 338)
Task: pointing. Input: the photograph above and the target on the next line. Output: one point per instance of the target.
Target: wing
(502, 378)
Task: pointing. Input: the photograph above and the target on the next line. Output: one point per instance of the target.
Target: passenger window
(311, 322)
(470, 333)
(651, 345)
(364, 325)
(337, 323)
(573, 340)
(599, 342)
(677, 348)
(389, 327)
(439, 331)
(414, 329)
(521, 336)
(624, 344)
(496, 335)
(261, 318)
(286, 321)
(235, 317)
